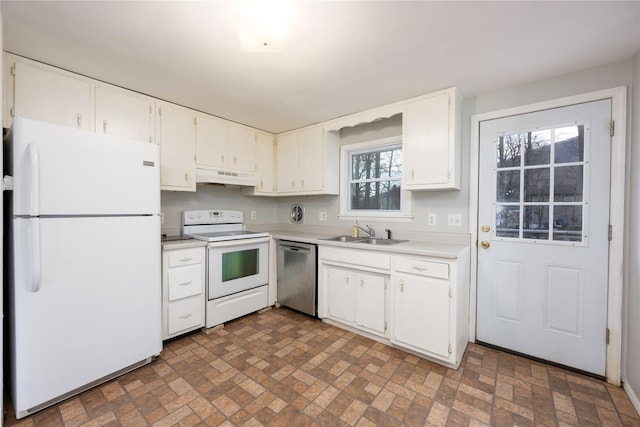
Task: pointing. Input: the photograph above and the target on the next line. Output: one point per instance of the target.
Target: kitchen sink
(375, 241)
(344, 238)
(367, 240)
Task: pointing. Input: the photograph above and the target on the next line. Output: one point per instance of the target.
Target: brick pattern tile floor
(281, 368)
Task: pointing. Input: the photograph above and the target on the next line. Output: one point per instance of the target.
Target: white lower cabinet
(353, 288)
(417, 303)
(183, 292)
(430, 306)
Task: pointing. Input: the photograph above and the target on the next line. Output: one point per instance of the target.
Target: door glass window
(540, 195)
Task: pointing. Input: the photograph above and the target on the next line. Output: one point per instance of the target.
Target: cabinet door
(242, 144)
(211, 141)
(264, 167)
(427, 142)
(421, 313)
(51, 96)
(287, 163)
(311, 159)
(370, 301)
(341, 290)
(176, 131)
(124, 114)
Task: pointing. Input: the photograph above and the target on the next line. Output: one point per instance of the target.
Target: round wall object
(297, 214)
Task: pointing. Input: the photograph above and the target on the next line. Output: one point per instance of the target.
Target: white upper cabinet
(287, 163)
(265, 164)
(431, 142)
(46, 94)
(124, 113)
(308, 162)
(176, 133)
(224, 145)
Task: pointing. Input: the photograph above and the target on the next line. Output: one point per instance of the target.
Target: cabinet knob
(293, 185)
(261, 185)
(302, 183)
(79, 120)
(104, 126)
(361, 283)
(401, 286)
(186, 177)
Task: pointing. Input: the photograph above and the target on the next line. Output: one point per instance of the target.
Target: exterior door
(543, 216)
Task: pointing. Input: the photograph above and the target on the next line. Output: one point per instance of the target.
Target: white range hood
(212, 176)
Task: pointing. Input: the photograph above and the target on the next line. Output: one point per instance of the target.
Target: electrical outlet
(254, 215)
(161, 217)
(454, 220)
(322, 216)
(431, 219)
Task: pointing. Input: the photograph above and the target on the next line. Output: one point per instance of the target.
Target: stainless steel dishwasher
(297, 277)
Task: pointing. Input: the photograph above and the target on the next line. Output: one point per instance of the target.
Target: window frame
(345, 194)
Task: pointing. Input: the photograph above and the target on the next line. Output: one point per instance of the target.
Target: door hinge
(612, 128)
(607, 335)
(610, 232)
(450, 350)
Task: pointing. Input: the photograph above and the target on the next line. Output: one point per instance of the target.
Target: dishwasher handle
(295, 248)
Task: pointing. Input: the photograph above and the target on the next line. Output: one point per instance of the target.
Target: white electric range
(237, 263)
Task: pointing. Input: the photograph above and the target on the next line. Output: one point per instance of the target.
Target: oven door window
(239, 264)
(236, 268)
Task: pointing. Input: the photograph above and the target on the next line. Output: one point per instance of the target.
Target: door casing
(618, 98)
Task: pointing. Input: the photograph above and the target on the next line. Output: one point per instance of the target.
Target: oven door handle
(239, 242)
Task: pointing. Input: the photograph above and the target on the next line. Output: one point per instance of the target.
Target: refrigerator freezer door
(96, 308)
(64, 171)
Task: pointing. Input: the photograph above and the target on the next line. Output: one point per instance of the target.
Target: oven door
(237, 265)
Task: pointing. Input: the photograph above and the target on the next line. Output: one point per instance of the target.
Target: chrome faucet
(370, 231)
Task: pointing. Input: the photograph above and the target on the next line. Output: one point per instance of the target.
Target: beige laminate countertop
(182, 244)
(412, 247)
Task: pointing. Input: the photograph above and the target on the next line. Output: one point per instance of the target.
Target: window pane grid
(529, 204)
(375, 179)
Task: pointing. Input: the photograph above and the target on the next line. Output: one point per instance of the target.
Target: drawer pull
(186, 259)
(185, 283)
(415, 267)
(186, 316)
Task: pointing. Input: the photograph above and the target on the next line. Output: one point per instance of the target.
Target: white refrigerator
(84, 260)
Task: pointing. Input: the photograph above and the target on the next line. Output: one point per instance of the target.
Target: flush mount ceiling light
(263, 25)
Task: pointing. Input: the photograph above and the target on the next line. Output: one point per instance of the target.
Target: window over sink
(371, 180)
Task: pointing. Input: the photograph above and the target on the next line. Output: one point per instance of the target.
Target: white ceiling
(343, 56)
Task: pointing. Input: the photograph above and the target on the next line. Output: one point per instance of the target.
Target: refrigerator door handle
(34, 175)
(36, 267)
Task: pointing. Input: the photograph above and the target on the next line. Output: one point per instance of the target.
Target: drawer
(185, 257)
(361, 258)
(183, 315)
(184, 282)
(421, 267)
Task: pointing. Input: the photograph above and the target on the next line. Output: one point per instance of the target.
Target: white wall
(631, 324)
(215, 197)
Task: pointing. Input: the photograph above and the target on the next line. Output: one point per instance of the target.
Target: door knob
(485, 228)
(484, 244)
